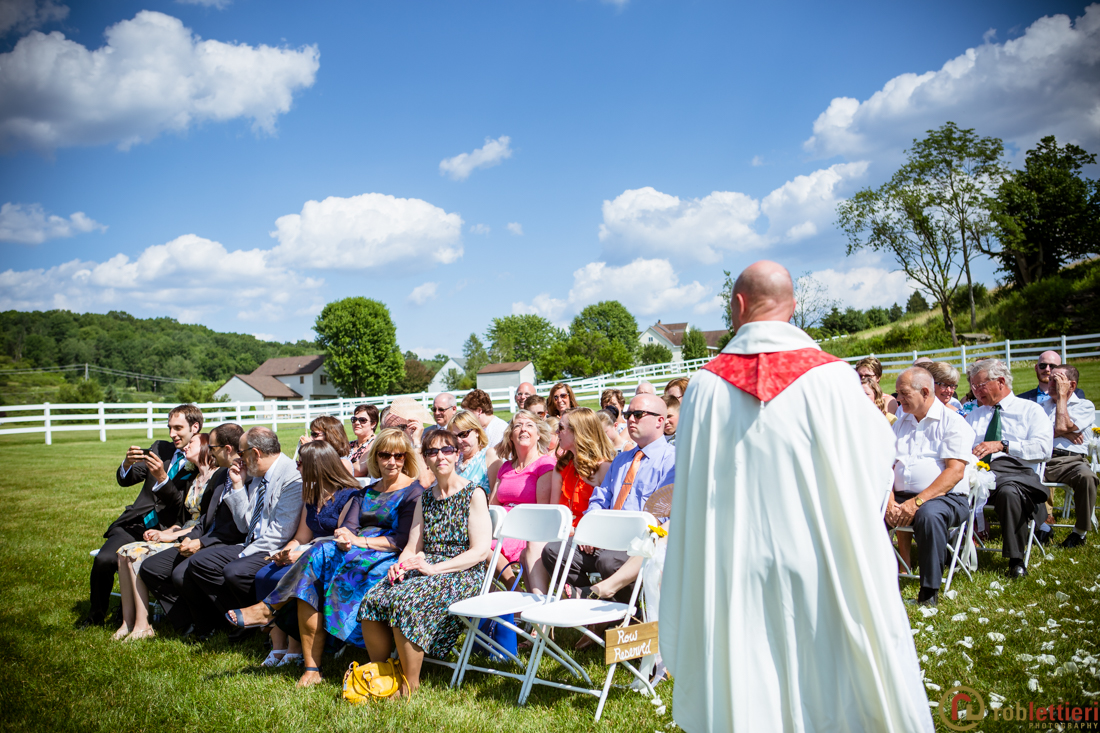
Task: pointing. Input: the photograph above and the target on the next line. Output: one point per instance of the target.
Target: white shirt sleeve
(1038, 440)
(958, 438)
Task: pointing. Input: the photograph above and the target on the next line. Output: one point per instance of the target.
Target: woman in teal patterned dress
(477, 454)
(443, 562)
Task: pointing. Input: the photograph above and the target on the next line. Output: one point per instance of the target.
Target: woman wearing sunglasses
(363, 422)
(331, 431)
(329, 583)
(477, 455)
(443, 562)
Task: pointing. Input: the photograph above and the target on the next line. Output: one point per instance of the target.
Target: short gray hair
(944, 373)
(449, 400)
(993, 368)
(263, 440)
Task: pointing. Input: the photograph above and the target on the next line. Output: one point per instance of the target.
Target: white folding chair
(531, 523)
(964, 534)
(607, 530)
(1067, 496)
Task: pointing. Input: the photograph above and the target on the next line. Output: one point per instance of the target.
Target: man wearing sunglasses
(780, 590)
(1044, 368)
(443, 409)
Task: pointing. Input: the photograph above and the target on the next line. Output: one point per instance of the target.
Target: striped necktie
(628, 480)
(174, 468)
(257, 512)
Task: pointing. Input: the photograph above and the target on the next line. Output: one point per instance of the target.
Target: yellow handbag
(375, 680)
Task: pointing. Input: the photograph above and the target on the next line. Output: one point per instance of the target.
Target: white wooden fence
(54, 418)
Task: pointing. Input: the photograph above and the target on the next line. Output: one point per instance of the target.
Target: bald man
(779, 598)
(930, 494)
(645, 388)
(1044, 368)
(524, 391)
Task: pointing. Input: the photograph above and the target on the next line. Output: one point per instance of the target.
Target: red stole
(764, 376)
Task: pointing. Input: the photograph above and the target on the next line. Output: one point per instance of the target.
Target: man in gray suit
(266, 508)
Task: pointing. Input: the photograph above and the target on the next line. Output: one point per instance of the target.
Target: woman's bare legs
(313, 642)
(140, 595)
(412, 659)
(126, 590)
(536, 577)
(378, 639)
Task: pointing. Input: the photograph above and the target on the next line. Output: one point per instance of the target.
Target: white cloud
(620, 4)
(184, 278)
(757, 160)
(29, 224)
(1046, 82)
(265, 337)
(864, 287)
(153, 76)
(20, 16)
(480, 229)
(647, 221)
(219, 4)
(515, 228)
(644, 286)
(462, 165)
(365, 231)
(421, 294)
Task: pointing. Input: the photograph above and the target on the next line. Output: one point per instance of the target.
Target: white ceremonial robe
(780, 607)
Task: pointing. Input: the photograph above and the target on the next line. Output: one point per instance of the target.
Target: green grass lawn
(59, 499)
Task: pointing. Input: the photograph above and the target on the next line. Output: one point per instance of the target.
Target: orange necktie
(628, 482)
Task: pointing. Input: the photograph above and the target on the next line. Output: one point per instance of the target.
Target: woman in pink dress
(521, 475)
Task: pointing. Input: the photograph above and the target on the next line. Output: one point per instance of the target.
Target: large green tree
(584, 354)
(520, 338)
(612, 319)
(360, 345)
(1047, 213)
(476, 357)
(694, 345)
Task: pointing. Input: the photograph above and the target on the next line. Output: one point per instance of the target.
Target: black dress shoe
(1044, 536)
(1074, 540)
(1016, 570)
(95, 619)
(928, 597)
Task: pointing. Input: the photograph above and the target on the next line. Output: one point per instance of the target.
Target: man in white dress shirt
(1073, 418)
(1013, 436)
(930, 492)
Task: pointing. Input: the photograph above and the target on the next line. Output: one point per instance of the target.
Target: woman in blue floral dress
(443, 562)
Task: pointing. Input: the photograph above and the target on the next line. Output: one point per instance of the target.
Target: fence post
(102, 425)
(49, 433)
(1064, 357)
(274, 416)
(240, 415)
(305, 411)
(963, 347)
(512, 399)
(1008, 353)
(914, 356)
(149, 420)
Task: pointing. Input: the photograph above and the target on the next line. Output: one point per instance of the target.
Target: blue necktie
(177, 461)
(254, 524)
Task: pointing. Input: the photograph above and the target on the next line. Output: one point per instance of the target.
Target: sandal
(237, 619)
(291, 659)
(315, 682)
(271, 660)
(581, 592)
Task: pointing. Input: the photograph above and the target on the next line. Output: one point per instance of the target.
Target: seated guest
(409, 416)
(933, 446)
(552, 448)
(618, 440)
(322, 593)
(443, 409)
(628, 484)
(524, 392)
(1013, 436)
(478, 402)
(330, 499)
(163, 573)
(870, 369)
(134, 594)
(672, 417)
(946, 380)
(477, 456)
(561, 399)
(521, 475)
(364, 421)
(159, 504)
(443, 562)
(1073, 418)
(222, 577)
(614, 398)
(676, 388)
(586, 458)
(874, 393)
(537, 405)
(644, 388)
(330, 430)
(1048, 362)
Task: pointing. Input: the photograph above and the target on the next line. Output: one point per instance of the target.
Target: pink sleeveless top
(520, 488)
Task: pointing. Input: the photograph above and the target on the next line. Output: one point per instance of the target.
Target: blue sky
(241, 163)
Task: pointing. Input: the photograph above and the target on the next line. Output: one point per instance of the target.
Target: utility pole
(85, 371)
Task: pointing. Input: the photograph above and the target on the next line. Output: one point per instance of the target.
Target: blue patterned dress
(334, 581)
(475, 470)
(418, 604)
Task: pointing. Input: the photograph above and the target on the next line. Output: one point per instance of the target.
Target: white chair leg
(606, 689)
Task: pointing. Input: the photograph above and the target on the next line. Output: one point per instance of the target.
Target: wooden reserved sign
(630, 642)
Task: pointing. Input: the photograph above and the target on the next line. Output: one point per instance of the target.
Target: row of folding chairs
(539, 614)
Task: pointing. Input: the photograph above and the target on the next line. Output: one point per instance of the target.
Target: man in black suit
(1044, 368)
(163, 573)
(165, 476)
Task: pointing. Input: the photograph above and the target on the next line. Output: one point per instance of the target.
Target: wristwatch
(1004, 446)
(918, 501)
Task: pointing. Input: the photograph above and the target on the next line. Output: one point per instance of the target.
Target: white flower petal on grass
(1033, 684)
(994, 636)
(975, 610)
(994, 585)
(933, 704)
(655, 701)
(983, 621)
(966, 642)
(1045, 659)
(998, 650)
(1047, 646)
(932, 686)
(929, 611)
(1041, 582)
(1024, 658)
(968, 660)
(1060, 596)
(661, 710)
(959, 617)
(951, 594)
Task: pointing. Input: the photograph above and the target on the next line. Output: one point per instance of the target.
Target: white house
(671, 336)
(506, 374)
(283, 378)
(438, 384)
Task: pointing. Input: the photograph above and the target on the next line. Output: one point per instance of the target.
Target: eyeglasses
(527, 425)
(386, 456)
(976, 387)
(464, 434)
(540, 413)
(945, 385)
(318, 434)
(639, 414)
(443, 409)
(360, 421)
(1044, 365)
(408, 427)
(447, 450)
(211, 446)
(866, 377)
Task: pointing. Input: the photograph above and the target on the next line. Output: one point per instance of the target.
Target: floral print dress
(475, 470)
(418, 604)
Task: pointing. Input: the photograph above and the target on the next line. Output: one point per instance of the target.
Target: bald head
(1047, 357)
(651, 425)
(645, 388)
(764, 291)
(916, 392)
